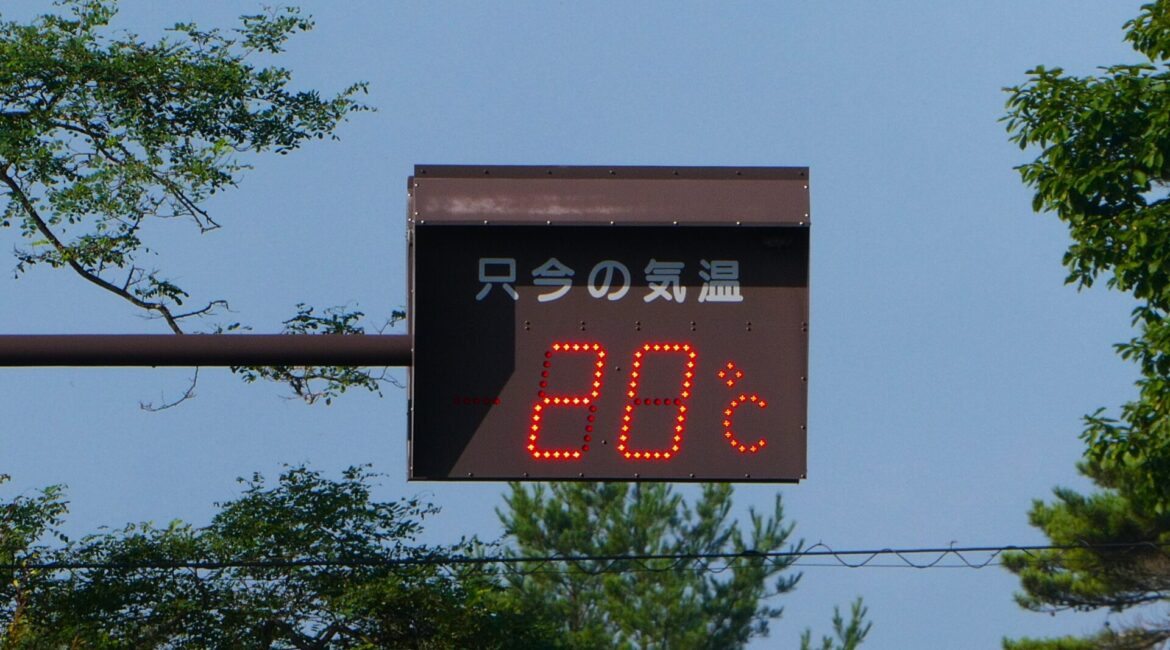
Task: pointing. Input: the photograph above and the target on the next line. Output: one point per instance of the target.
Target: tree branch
(97, 134)
(187, 394)
(85, 273)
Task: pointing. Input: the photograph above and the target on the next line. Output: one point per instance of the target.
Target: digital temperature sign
(609, 323)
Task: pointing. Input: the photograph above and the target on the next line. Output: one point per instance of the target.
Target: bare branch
(209, 309)
(187, 394)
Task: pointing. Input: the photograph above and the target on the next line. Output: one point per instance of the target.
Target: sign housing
(609, 323)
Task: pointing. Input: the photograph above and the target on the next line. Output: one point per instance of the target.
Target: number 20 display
(627, 446)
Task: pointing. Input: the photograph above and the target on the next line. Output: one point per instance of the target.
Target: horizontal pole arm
(204, 350)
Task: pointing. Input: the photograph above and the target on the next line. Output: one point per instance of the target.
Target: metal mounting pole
(204, 350)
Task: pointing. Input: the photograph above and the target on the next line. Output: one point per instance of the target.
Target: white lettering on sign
(663, 278)
(720, 281)
(552, 273)
(497, 270)
(611, 280)
(602, 276)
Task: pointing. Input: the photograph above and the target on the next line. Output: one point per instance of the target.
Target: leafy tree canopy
(1103, 170)
(306, 563)
(102, 133)
(310, 562)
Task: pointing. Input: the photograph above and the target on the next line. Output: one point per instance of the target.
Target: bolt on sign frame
(609, 323)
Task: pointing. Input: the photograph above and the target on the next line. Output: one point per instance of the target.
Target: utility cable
(622, 563)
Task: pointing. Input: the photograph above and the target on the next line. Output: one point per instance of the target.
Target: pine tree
(603, 601)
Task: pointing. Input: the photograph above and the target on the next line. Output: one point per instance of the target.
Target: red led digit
(679, 403)
(546, 401)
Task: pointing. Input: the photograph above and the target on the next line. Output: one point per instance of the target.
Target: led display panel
(609, 324)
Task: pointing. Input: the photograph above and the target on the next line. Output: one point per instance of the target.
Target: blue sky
(949, 365)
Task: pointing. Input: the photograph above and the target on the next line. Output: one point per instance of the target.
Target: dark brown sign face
(608, 352)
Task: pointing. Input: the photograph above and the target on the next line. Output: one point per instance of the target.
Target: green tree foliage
(608, 601)
(846, 636)
(24, 523)
(102, 134)
(1063, 643)
(1103, 169)
(306, 563)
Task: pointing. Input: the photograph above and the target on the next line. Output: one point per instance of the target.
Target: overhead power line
(935, 557)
